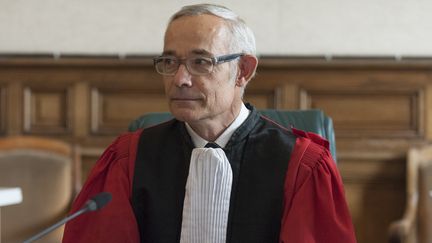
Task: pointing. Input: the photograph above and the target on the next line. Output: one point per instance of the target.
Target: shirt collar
(223, 139)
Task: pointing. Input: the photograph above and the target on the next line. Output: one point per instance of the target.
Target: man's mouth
(184, 98)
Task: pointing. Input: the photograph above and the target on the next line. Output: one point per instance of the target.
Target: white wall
(282, 27)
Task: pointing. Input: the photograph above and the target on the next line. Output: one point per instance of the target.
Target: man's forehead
(196, 26)
(196, 35)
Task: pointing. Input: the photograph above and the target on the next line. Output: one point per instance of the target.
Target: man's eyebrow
(201, 52)
(195, 51)
(168, 53)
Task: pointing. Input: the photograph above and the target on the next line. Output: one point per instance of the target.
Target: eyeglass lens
(195, 65)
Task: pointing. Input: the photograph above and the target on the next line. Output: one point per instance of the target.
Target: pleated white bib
(206, 203)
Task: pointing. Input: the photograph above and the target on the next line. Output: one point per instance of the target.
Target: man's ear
(247, 67)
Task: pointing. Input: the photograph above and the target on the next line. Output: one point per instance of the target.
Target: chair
(42, 168)
(308, 120)
(416, 224)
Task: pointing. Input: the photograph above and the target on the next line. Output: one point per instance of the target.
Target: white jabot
(223, 139)
(207, 199)
(208, 188)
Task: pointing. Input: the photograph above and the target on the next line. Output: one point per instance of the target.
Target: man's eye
(169, 61)
(200, 61)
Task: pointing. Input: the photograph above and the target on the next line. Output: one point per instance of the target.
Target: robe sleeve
(113, 173)
(315, 209)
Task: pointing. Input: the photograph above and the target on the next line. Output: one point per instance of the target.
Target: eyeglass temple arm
(227, 58)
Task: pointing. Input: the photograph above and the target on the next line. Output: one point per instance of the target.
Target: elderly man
(218, 172)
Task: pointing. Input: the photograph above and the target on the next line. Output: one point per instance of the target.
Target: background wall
(282, 27)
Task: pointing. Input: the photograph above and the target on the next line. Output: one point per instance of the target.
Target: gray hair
(243, 39)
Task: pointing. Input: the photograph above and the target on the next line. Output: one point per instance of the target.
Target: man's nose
(182, 77)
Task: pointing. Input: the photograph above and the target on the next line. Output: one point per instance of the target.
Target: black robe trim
(258, 151)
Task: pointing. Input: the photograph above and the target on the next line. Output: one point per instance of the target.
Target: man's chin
(185, 114)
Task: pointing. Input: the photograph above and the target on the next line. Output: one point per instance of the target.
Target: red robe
(315, 210)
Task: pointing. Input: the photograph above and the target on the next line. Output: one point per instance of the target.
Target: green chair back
(308, 120)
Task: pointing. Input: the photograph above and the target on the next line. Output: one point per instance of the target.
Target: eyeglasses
(196, 65)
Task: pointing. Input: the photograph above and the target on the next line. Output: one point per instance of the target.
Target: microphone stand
(56, 225)
(95, 203)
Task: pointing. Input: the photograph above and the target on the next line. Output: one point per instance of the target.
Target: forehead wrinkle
(201, 52)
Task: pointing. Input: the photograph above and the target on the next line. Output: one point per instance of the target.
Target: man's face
(205, 98)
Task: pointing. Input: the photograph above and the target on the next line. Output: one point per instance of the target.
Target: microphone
(95, 203)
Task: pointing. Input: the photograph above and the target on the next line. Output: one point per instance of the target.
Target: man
(257, 181)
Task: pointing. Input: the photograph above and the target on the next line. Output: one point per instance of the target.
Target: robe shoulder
(315, 208)
(112, 173)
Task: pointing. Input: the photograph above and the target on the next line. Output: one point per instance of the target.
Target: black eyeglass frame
(215, 61)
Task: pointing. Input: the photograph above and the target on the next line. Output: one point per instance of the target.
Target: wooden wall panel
(371, 113)
(374, 185)
(113, 110)
(373, 170)
(46, 111)
(373, 208)
(261, 100)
